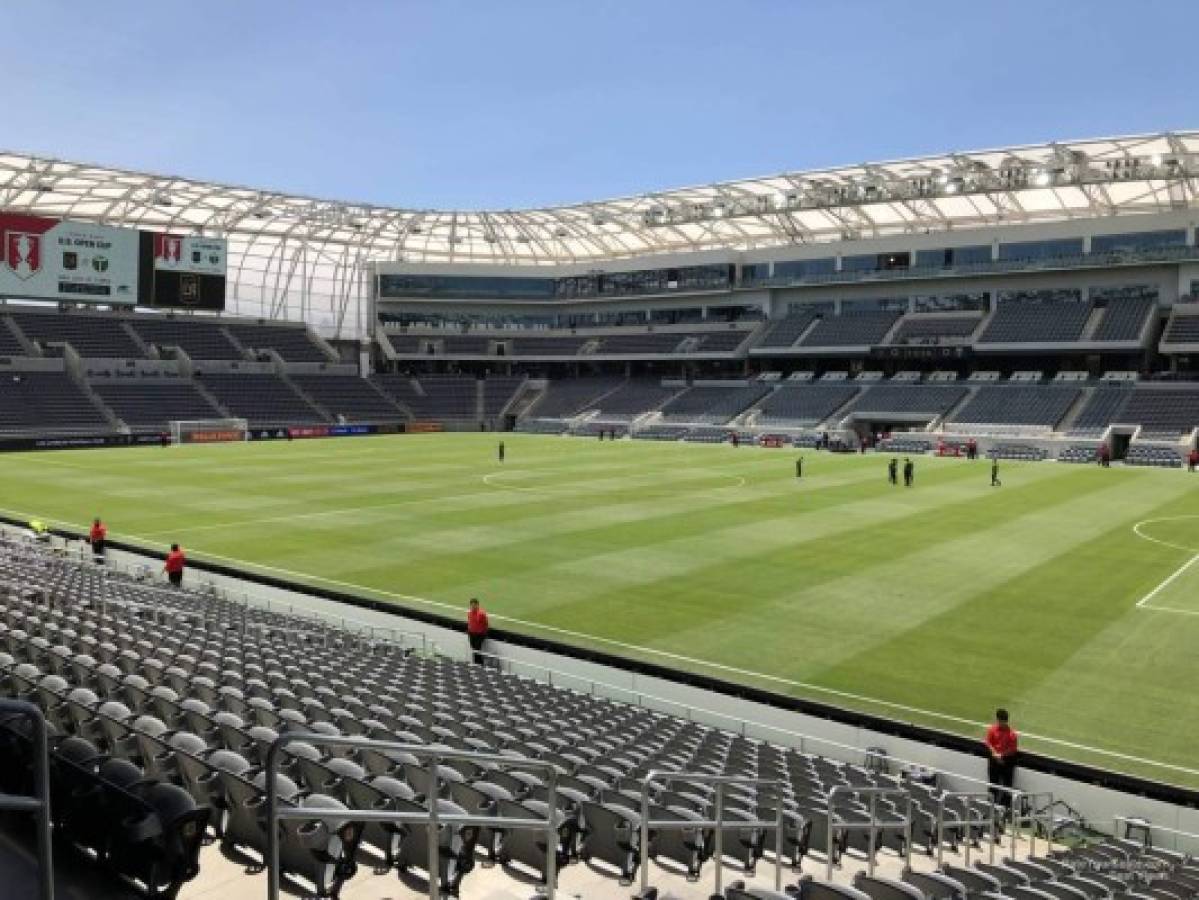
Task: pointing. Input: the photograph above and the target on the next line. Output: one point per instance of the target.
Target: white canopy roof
(293, 255)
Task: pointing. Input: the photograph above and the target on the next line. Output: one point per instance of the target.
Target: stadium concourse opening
(725, 638)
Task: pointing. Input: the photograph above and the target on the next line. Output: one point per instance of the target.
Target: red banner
(309, 431)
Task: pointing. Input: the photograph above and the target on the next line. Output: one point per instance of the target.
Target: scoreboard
(82, 262)
(188, 271)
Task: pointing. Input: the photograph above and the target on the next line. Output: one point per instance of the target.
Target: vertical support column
(272, 821)
(643, 847)
(907, 837)
(871, 836)
(778, 839)
(41, 785)
(551, 837)
(434, 832)
(719, 834)
(941, 832)
(1016, 797)
(994, 835)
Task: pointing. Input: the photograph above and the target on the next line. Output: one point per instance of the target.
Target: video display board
(188, 271)
(72, 262)
(82, 262)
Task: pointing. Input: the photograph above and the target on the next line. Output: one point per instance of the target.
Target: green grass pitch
(933, 604)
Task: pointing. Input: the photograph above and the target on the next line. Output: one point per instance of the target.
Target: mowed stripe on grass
(951, 597)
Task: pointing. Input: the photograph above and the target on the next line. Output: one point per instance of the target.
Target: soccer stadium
(777, 497)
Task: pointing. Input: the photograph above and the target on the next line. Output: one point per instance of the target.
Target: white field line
(738, 482)
(1144, 602)
(676, 657)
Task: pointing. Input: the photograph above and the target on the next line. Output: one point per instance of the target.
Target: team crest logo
(23, 253)
(169, 248)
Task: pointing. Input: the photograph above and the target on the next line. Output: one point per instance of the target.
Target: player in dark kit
(995, 482)
(799, 468)
(909, 472)
(500, 451)
(893, 471)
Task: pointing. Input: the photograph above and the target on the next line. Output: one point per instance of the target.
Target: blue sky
(504, 103)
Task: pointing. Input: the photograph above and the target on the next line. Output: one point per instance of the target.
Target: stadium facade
(299, 257)
(1037, 298)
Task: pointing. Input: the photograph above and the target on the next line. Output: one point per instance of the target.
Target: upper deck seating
(1124, 319)
(929, 328)
(293, 343)
(1049, 322)
(851, 329)
(786, 331)
(91, 336)
(198, 338)
(1182, 329)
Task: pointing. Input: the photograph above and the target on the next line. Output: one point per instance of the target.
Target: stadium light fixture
(1156, 159)
(1042, 178)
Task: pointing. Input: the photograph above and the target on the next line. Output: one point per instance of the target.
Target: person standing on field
(1002, 748)
(96, 537)
(893, 471)
(909, 472)
(174, 566)
(477, 627)
(799, 467)
(995, 482)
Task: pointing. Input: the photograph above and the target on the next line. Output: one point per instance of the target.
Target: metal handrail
(717, 823)
(39, 804)
(431, 818)
(1032, 818)
(872, 825)
(1149, 827)
(967, 822)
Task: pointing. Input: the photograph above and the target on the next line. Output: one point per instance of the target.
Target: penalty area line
(1144, 602)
